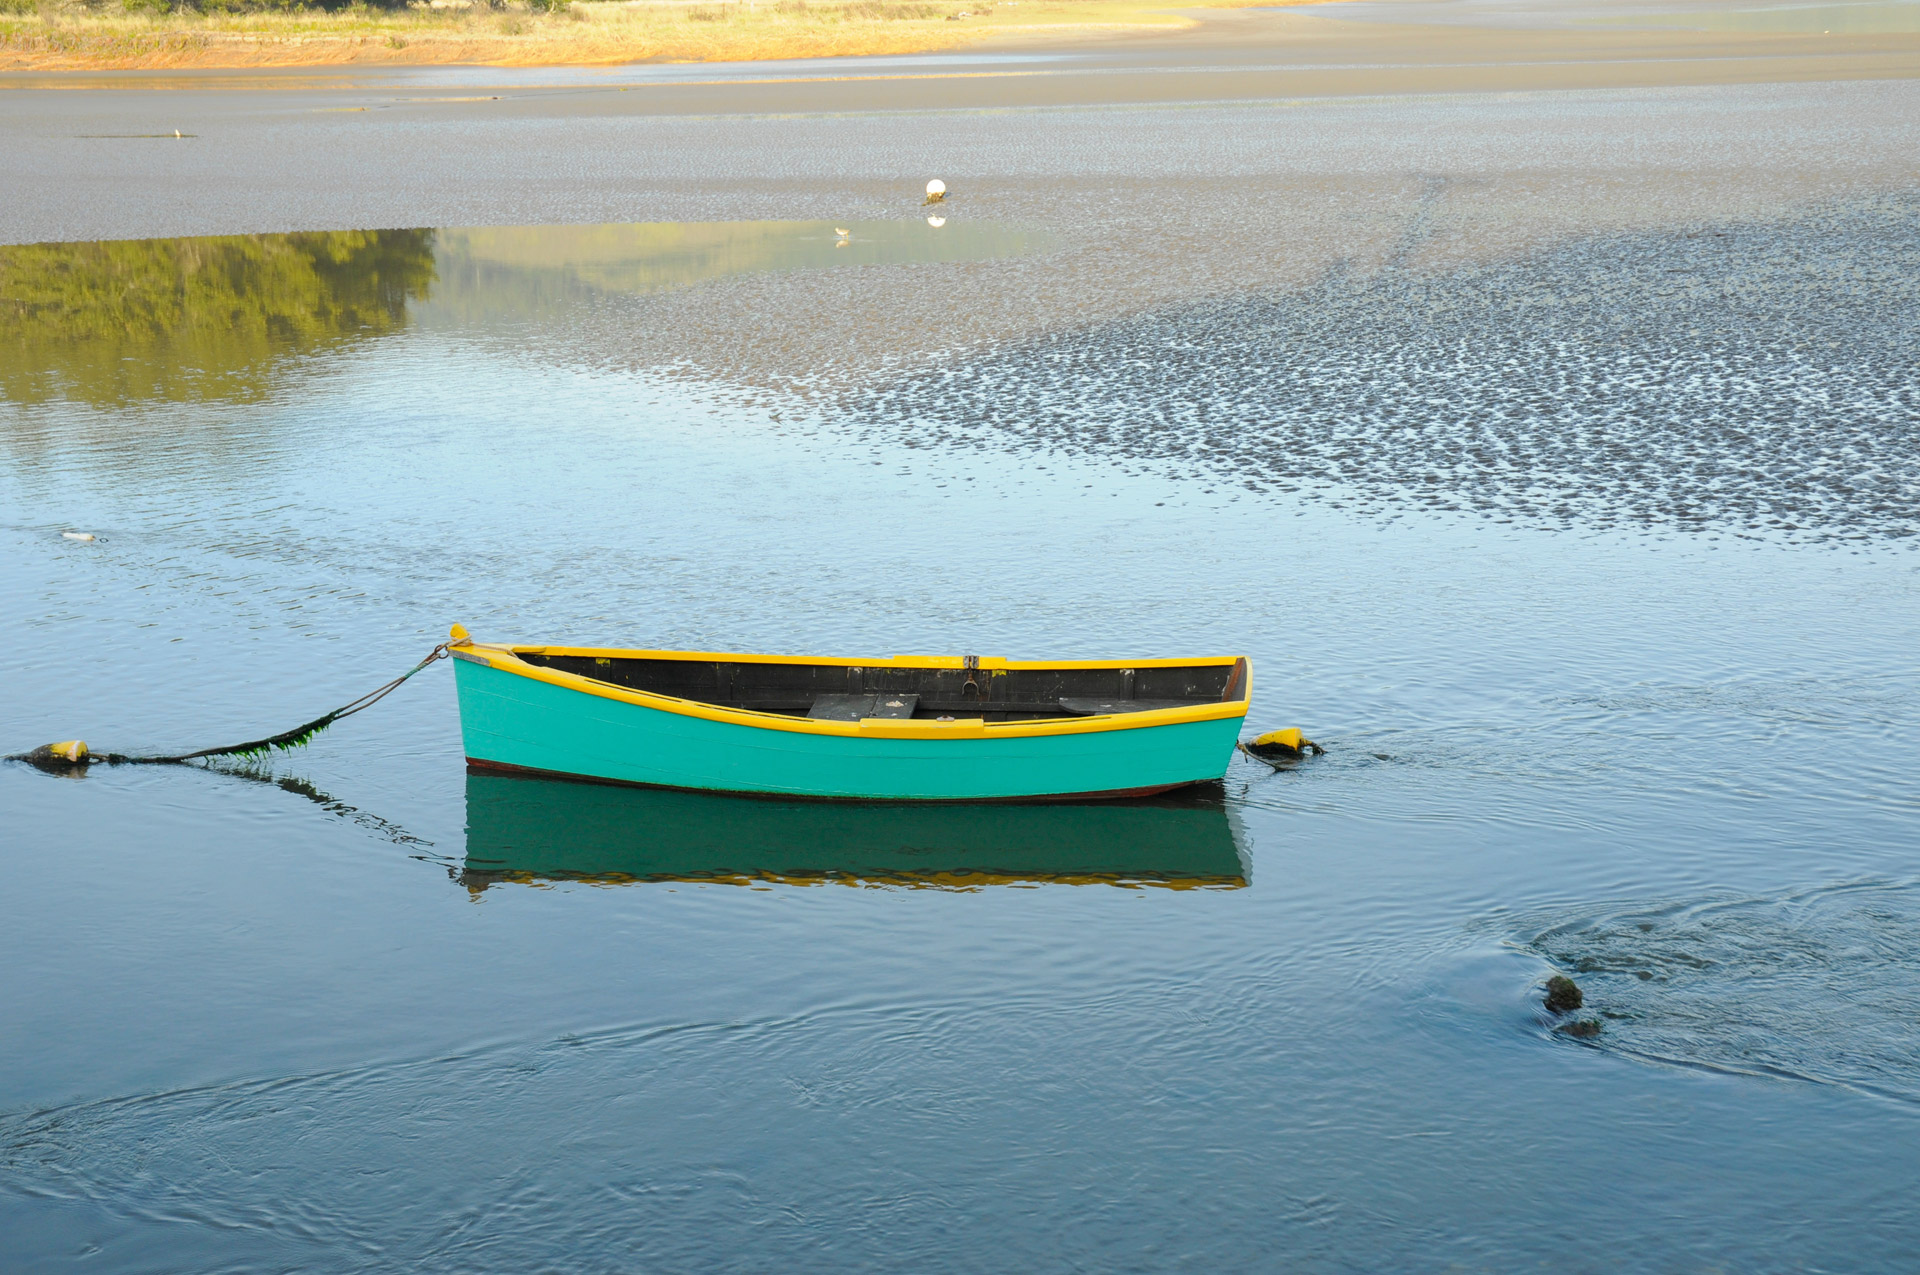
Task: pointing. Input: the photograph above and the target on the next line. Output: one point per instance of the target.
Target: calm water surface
(1593, 570)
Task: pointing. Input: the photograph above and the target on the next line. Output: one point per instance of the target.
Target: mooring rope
(75, 753)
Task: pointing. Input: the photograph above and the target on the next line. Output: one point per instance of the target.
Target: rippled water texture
(1817, 985)
(1591, 565)
(1751, 378)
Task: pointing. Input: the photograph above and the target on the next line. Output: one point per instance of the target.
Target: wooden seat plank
(845, 707)
(1086, 707)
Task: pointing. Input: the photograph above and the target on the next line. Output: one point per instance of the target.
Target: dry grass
(75, 34)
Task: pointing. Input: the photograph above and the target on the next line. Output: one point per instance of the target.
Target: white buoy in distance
(936, 191)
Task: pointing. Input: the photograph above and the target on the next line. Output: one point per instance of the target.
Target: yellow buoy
(1281, 744)
(68, 752)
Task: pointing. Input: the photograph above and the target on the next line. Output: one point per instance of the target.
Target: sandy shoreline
(589, 33)
(1226, 52)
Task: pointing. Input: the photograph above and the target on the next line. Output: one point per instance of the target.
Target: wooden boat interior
(847, 692)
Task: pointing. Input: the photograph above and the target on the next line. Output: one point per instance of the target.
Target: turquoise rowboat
(906, 728)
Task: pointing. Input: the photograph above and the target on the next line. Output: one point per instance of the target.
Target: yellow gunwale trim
(507, 659)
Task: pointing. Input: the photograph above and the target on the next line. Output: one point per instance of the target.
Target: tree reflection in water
(195, 319)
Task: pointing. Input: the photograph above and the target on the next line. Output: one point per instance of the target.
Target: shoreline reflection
(220, 318)
(202, 319)
(527, 831)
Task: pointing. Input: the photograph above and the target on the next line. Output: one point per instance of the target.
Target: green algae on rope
(73, 754)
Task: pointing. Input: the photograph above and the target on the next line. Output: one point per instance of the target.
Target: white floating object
(936, 191)
(936, 221)
(842, 233)
(77, 535)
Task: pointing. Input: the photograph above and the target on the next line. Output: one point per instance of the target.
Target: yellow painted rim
(507, 660)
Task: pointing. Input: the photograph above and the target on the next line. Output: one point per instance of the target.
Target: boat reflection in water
(529, 831)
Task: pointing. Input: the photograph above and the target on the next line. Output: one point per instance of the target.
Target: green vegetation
(234, 6)
(184, 319)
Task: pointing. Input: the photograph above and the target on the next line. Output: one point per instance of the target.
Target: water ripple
(1814, 985)
(1754, 379)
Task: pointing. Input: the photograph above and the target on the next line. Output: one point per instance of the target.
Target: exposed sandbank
(1223, 51)
(583, 33)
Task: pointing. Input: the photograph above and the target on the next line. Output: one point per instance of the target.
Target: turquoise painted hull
(514, 722)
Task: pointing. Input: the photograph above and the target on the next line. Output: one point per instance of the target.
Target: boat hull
(512, 722)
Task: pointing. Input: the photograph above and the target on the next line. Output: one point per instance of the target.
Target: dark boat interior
(848, 693)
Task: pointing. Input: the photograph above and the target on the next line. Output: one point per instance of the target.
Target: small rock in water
(77, 535)
(1563, 996)
(1582, 1028)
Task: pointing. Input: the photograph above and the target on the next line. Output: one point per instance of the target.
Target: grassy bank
(114, 34)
